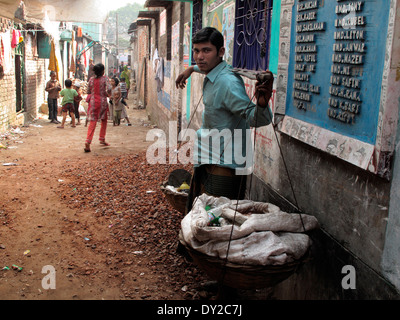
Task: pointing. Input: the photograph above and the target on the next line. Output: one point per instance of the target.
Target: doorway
(19, 78)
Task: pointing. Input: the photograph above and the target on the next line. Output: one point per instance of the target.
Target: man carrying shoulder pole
(227, 108)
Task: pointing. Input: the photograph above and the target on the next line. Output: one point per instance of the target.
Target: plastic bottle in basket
(213, 219)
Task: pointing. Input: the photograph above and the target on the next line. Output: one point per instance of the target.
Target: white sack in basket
(266, 237)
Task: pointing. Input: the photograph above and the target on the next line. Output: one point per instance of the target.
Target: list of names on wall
(348, 57)
(336, 65)
(306, 54)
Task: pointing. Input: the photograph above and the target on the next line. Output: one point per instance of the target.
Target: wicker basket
(177, 200)
(243, 276)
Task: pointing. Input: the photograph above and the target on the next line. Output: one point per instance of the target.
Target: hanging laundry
(72, 66)
(85, 59)
(158, 67)
(7, 52)
(160, 74)
(156, 58)
(16, 38)
(53, 63)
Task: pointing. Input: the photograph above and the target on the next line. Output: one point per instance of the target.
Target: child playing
(53, 88)
(124, 91)
(77, 101)
(117, 108)
(124, 94)
(67, 103)
(116, 101)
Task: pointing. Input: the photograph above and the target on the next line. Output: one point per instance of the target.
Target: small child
(124, 94)
(68, 94)
(53, 88)
(117, 103)
(77, 101)
(124, 91)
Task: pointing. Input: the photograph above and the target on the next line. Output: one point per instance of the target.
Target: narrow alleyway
(98, 218)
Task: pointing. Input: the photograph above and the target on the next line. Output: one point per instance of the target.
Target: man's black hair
(209, 34)
(68, 83)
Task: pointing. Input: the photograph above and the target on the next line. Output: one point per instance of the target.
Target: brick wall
(34, 83)
(7, 89)
(35, 78)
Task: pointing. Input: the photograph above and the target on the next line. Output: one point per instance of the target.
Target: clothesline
(9, 40)
(24, 30)
(30, 30)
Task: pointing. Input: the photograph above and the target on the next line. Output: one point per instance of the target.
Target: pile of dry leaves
(126, 190)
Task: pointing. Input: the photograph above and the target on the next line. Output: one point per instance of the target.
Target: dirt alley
(92, 258)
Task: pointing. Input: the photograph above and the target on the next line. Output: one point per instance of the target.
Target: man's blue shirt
(230, 112)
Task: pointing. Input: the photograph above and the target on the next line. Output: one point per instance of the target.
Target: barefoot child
(68, 95)
(117, 108)
(115, 101)
(124, 93)
(77, 101)
(53, 88)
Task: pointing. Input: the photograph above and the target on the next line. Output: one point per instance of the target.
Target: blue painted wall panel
(274, 48)
(336, 64)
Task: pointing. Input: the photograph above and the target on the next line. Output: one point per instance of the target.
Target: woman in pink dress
(99, 90)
